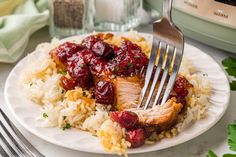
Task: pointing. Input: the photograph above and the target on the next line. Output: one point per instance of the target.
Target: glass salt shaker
(116, 15)
(67, 17)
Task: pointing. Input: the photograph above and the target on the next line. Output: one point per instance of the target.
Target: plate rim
(53, 141)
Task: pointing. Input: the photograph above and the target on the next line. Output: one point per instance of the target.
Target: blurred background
(210, 21)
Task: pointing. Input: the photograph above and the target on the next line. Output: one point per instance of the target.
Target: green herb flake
(137, 56)
(64, 117)
(31, 84)
(231, 129)
(63, 72)
(130, 65)
(113, 76)
(205, 74)
(84, 94)
(211, 154)
(82, 65)
(115, 69)
(67, 126)
(62, 91)
(45, 115)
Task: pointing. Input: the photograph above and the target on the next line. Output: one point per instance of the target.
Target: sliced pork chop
(127, 91)
(161, 116)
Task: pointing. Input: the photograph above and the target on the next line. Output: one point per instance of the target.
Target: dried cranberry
(66, 50)
(181, 86)
(104, 92)
(88, 56)
(128, 63)
(67, 84)
(136, 137)
(80, 72)
(102, 49)
(126, 119)
(98, 66)
(90, 41)
(128, 46)
(116, 50)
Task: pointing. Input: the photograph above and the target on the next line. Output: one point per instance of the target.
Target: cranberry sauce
(95, 57)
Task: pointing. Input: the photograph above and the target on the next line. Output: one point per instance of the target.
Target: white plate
(26, 111)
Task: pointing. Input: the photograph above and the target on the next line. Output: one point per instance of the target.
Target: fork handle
(166, 12)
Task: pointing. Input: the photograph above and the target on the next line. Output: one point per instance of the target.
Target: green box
(199, 28)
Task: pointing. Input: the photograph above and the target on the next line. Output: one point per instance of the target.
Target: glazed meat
(116, 74)
(127, 92)
(63, 52)
(161, 116)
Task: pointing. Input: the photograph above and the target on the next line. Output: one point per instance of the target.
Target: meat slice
(161, 116)
(127, 91)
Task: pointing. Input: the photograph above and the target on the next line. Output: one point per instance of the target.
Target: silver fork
(12, 142)
(170, 41)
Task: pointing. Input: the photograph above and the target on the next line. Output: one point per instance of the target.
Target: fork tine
(3, 152)
(163, 49)
(25, 144)
(175, 69)
(150, 67)
(170, 54)
(20, 149)
(7, 145)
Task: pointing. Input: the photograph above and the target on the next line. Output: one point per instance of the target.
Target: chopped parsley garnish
(130, 65)
(67, 126)
(45, 115)
(31, 84)
(64, 117)
(115, 69)
(113, 76)
(63, 72)
(84, 94)
(205, 74)
(62, 91)
(230, 66)
(82, 65)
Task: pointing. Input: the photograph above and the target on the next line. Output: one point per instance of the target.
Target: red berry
(126, 119)
(98, 66)
(67, 83)
(128, 46)
(90, 41)
(66, 50)
(80, 72)
(129, 60)
(181, 86)
(102, 49)
(136, 137)
(88, 56)
(104, 92)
